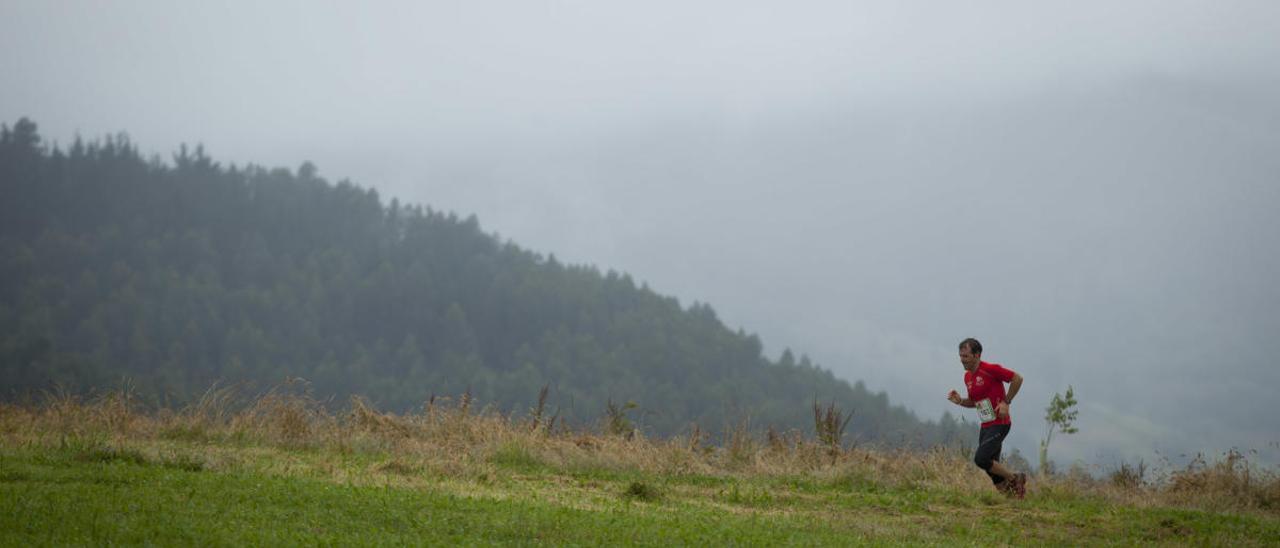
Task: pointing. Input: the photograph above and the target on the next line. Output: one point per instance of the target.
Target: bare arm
(1002, 410)
(1014, 386)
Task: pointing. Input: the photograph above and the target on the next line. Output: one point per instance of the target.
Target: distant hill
(179, 274)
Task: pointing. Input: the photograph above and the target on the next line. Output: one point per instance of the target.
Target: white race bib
(985, 412)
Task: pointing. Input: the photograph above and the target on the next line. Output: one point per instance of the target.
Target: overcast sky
(1090, 188)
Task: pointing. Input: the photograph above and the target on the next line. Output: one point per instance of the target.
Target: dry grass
(457, 440)
(1228, 482)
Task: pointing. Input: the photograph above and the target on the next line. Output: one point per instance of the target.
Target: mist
(1087, 188)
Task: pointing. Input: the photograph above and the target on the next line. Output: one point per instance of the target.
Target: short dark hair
(972, 344)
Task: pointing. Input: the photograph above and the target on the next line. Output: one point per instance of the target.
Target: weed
(110, 454)
(513, 455)
(400, 467)
(1126, 476)
(116, 408)
(464, 403)
(751, 497)
(536, 413)
(698, 440)
(858, 480)
(617, 423)
(775, 440)
(13, 476)
(186, 463)
(641, 491)
(282, 415)
(184, 432)
(742, 446)
(829, 424)
(364, 417)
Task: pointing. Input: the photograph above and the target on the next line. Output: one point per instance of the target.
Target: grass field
(282, 470)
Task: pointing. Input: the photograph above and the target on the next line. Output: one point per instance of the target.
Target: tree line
(179, 274)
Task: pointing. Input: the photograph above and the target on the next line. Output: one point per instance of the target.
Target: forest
(181, 274)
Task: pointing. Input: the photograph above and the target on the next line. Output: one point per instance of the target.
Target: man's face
(968, 359)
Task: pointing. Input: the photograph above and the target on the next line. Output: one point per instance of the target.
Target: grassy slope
(65, 478)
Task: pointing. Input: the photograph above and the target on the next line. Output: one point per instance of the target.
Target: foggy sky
(1088, 188)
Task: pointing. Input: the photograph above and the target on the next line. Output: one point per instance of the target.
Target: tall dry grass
(453, 437)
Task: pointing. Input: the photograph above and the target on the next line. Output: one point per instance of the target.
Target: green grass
(165, 492)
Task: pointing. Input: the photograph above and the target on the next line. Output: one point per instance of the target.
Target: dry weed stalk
(464, 403)
(536, 414)
(742, 446)
(364, 416)
(829, 424)
(698, 440)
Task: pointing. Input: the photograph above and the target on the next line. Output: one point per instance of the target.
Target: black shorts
(990, 443)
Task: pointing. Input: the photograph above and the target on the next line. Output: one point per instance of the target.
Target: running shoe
(1007, 488)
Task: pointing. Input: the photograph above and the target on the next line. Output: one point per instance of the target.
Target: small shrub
(116, 409)
(464, 403)
(698, 441)
(400, 467)
(184, 432)
(617, 423)
(14, 476)
(366, 418)
(283, 413)
(111, 454)
(186, 463)
(742, 445)
(516, 456)
(776, 441)
(215, 406)
(829, 425)
(641, 491)
(1129, 477)
(536, 414)
(745, 497)
(858, 480)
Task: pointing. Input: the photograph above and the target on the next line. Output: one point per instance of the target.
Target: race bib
(985, 412)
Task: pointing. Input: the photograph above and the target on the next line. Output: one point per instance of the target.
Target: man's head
(970, 353)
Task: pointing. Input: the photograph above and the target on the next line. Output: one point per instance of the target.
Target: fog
(1089, 188)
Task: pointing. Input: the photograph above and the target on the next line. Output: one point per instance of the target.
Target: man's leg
(999, 473)
(990, 441)
(1006, 480)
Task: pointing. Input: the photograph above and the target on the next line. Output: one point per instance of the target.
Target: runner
(985, 383)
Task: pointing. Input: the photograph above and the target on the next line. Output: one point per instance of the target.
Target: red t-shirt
(987, 383)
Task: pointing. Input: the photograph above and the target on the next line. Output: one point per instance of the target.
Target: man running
(985, 383)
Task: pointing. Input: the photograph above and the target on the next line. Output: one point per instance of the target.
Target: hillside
(180, 275)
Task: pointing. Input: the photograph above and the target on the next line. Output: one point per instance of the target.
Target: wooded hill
(181, 274)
